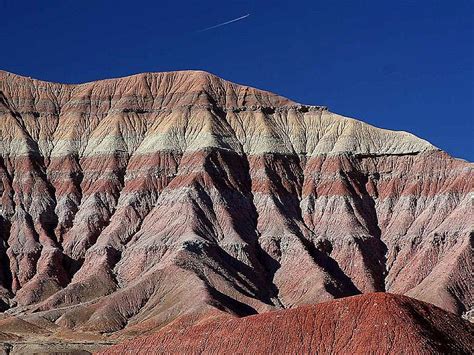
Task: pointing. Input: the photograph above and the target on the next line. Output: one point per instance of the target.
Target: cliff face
(375, 323)
(126, 203)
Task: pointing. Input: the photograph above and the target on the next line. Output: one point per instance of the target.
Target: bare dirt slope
(377, 323)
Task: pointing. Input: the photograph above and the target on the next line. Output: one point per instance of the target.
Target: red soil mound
(370, 323)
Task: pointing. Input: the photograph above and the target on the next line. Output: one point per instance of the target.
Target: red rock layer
(373, 323)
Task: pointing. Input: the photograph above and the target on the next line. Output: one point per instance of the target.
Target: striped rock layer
(126, 203)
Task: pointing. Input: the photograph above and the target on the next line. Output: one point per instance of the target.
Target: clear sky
(404, 65)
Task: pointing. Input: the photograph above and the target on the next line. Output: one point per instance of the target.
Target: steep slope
(378, 323)
(126, 203)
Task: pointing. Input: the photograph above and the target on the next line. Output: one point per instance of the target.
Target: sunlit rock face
(127, 203)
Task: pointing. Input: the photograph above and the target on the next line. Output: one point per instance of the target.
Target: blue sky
(404, 65)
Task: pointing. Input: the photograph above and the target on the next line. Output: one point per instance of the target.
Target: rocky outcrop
(378, 323)
(127, 203)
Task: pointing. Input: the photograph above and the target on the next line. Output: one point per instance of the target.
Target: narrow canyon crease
(128, 203)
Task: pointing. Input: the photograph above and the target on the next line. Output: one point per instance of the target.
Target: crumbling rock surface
(377, 323)
(127, 203)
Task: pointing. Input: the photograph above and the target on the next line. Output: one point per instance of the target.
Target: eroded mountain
(127, 203)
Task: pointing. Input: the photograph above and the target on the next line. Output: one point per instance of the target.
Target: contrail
(224, 23)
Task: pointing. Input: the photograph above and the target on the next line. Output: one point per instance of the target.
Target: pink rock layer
(127, 203)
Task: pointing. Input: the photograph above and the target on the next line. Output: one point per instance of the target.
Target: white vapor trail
(225, 23)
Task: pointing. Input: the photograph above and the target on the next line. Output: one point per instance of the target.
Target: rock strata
(128, 203)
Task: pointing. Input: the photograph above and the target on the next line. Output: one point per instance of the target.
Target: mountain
(128, 203)
(377, 323)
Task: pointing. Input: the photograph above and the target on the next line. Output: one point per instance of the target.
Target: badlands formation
(128, 204)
